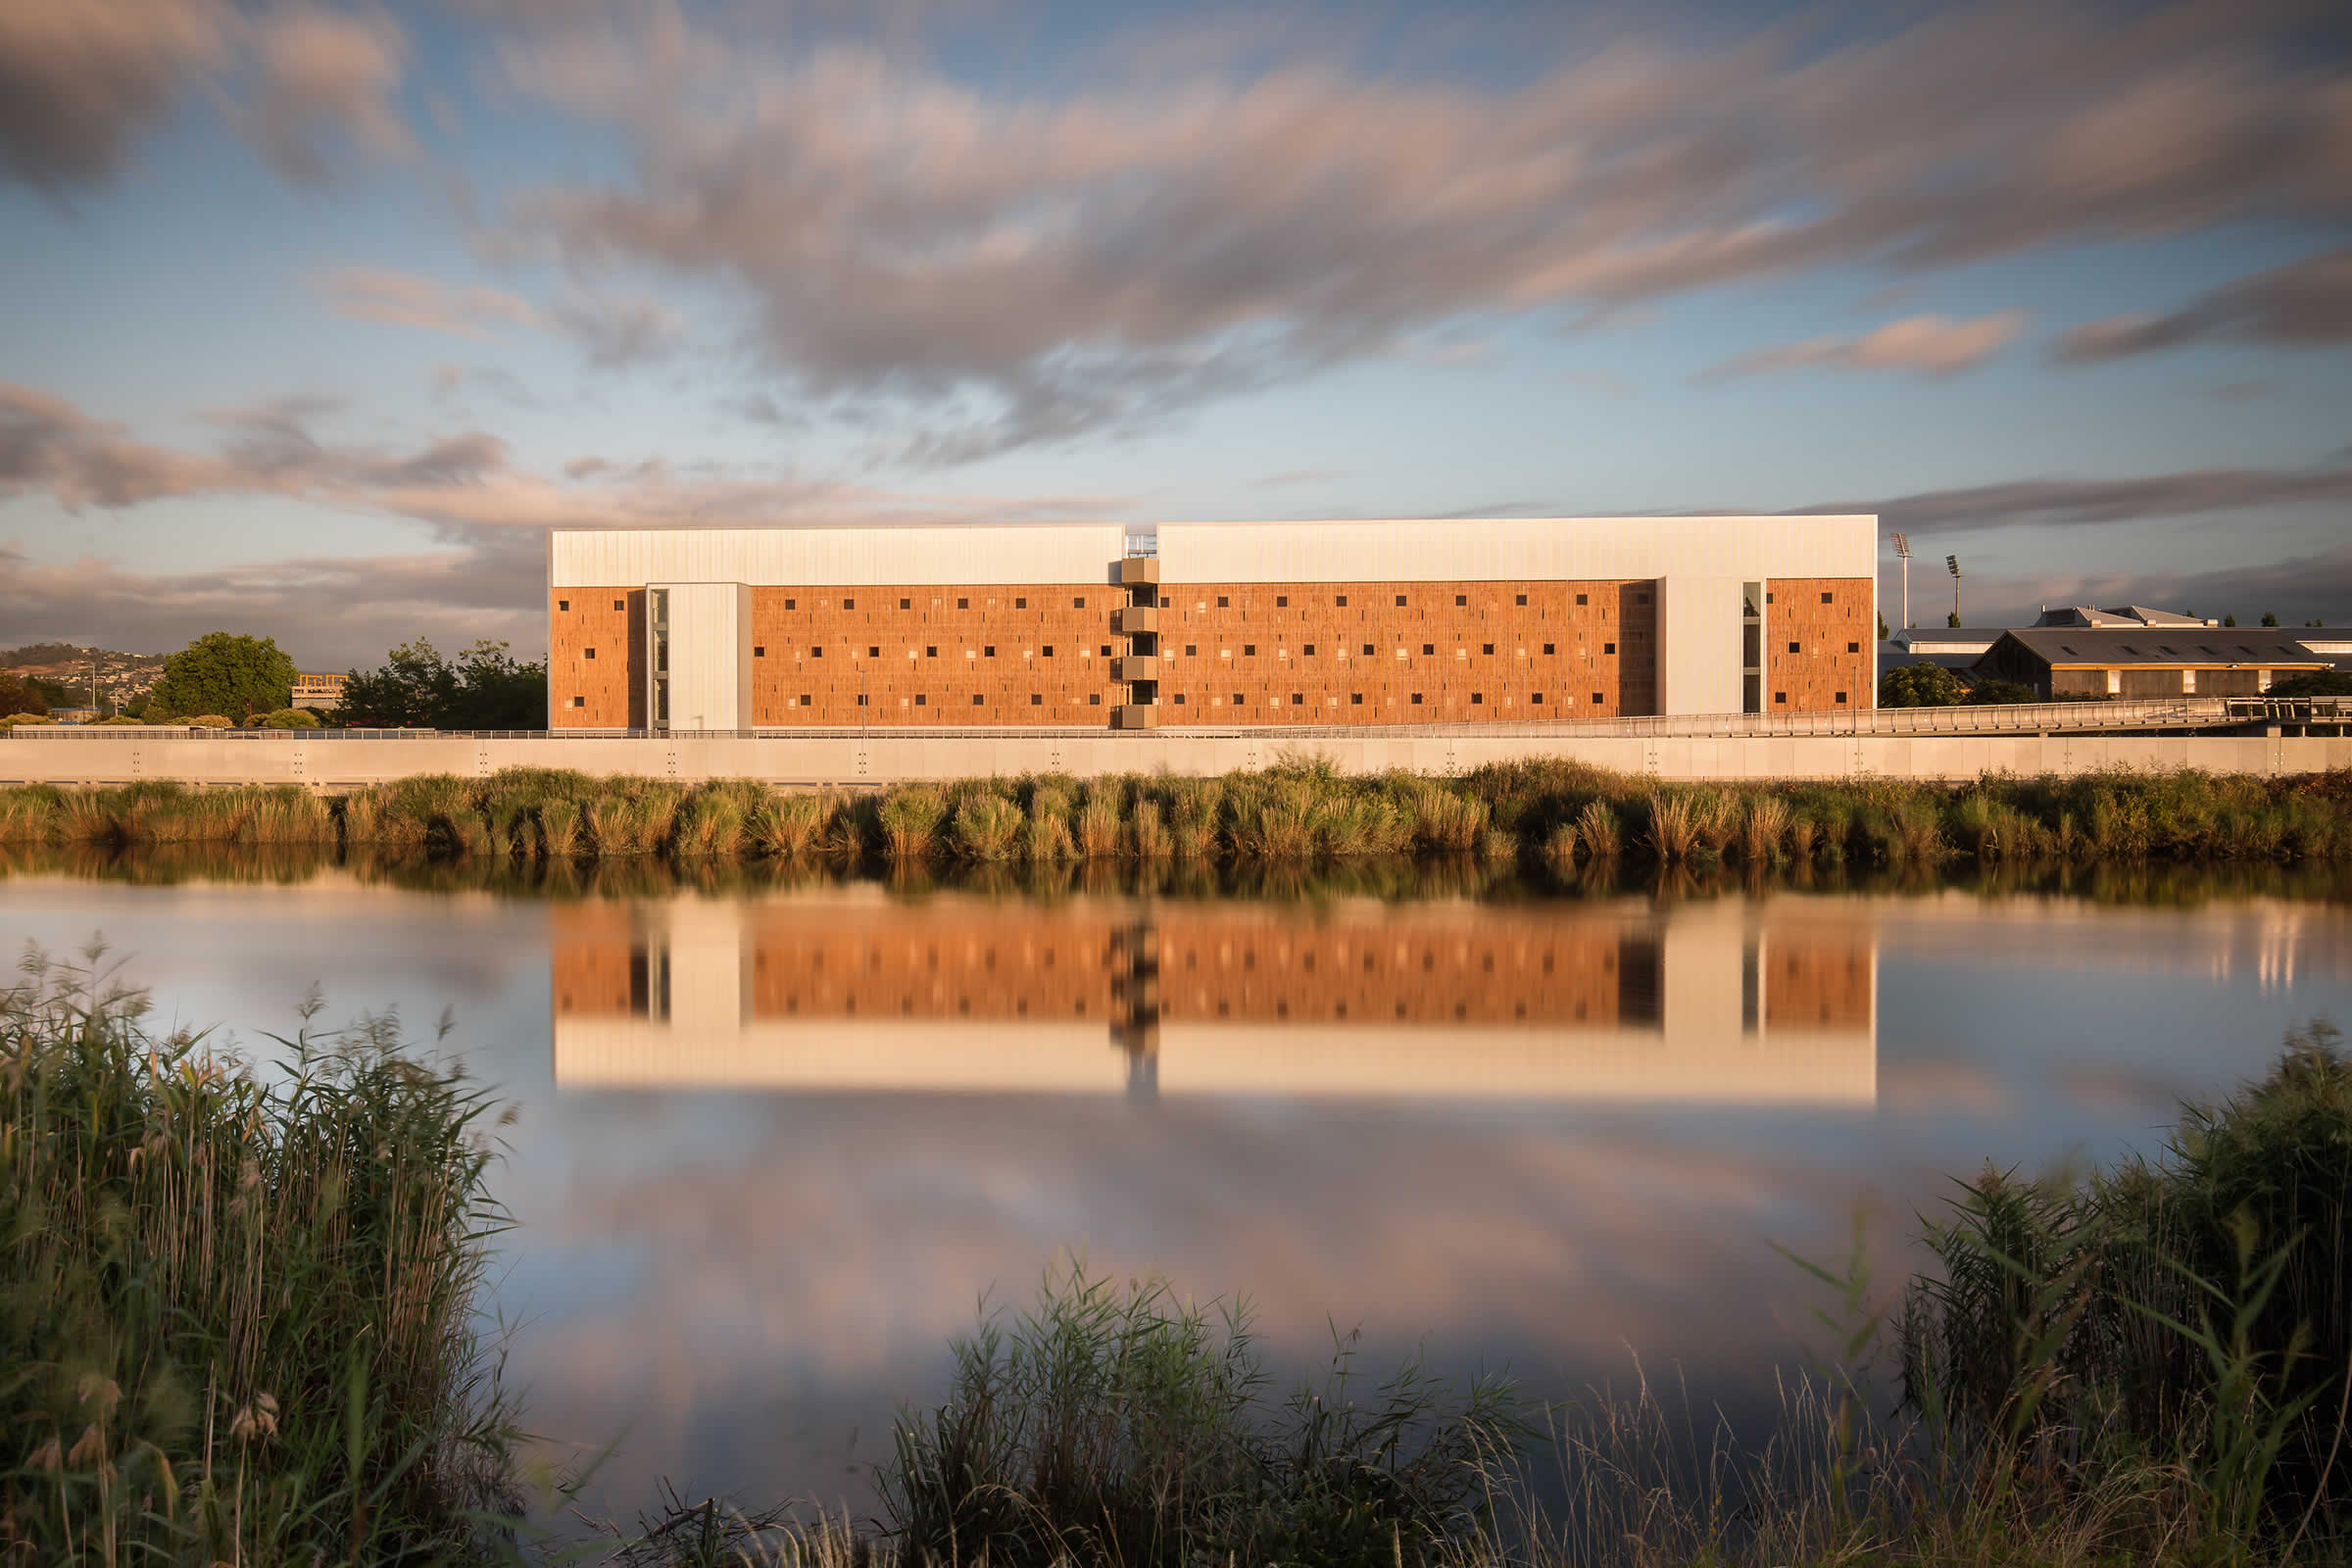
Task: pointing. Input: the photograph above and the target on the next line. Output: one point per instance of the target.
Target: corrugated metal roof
(2265, 648)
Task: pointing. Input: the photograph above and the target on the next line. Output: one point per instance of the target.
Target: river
(774, 1144)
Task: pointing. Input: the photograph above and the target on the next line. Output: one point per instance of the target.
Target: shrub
(290, 718)
(210, 721)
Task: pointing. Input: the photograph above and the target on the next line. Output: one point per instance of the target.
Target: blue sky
(314, 317)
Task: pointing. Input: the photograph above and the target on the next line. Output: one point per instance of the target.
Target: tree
(2319, 683)
(1881, 626)
(1993, 693)
(483, 688)
(15, 696)
(222, 672)
(2229, 620)
(1921, 685)
(1952, 619)
(2270, 618)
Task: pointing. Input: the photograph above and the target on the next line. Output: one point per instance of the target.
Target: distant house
(2120, 615)
(2191, 660)
(323, 692)
(74, 716)
(2331, 642)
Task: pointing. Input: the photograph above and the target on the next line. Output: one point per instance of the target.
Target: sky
(315, 317)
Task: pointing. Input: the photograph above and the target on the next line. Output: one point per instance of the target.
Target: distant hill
(121, 676)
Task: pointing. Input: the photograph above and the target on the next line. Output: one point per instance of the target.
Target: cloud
(617, 331)
(79, 81)
(455, 483)
(2305, 304)
(2060, 501)
(1930, 345)
(403, 299)
(332, 613)
(1003, 268)
(322, 72)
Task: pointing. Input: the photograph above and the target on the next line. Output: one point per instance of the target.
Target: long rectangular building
(1510, 621)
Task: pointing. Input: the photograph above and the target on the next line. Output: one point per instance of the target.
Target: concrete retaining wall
(334, 764)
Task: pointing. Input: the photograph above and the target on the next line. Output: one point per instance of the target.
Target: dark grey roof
(2268, 647)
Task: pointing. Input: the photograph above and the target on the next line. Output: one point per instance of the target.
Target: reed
(1560, 846)
(238, 1312)
(1673, 830)
(909, 816)
(1099, 823)
(561, 829)
(1446, 821)
(793, 823)
(712, 822)
(1152, 840)
(1596, 826)
(988, 827)
(1763, 829)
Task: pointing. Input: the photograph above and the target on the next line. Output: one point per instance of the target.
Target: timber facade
(1272, 624)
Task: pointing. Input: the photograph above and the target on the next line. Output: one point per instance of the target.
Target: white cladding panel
(1518, 549)
(626, 557)
(710, 654)
(1700, 643)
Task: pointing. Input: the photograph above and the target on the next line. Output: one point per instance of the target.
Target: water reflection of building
(849, 990)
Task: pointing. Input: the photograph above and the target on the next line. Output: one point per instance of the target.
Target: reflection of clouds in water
(763, 1300)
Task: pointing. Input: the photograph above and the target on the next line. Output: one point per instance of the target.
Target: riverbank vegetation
(238, 1310)
(1564, 815)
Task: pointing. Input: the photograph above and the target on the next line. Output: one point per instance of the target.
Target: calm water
(773, 1146)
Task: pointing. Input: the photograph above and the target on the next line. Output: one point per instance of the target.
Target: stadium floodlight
(1951, 564)
(1903, 552)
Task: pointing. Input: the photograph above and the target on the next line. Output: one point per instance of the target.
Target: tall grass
(1122, 1424)
(910, 818)
(236, 1312)
(1295, 810)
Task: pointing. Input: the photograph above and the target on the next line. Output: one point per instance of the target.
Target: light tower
(1951, 564)
(1903, 552)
